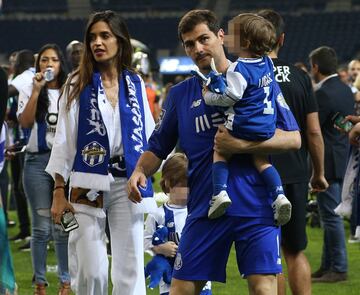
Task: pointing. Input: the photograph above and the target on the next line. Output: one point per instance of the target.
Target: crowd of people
(85, 132)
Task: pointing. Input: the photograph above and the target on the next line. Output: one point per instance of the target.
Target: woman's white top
(64, 147)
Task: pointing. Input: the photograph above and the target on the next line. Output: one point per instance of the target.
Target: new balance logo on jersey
(161, 118)
(282, 74)
(203, 123)
(178, 261)
(196, 103)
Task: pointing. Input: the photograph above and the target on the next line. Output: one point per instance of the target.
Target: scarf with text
(93, 152)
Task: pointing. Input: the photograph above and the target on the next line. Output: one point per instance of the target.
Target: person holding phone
(37, 110)
(333, 96)
(104, 122)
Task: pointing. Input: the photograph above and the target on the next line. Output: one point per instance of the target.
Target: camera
(49, 75)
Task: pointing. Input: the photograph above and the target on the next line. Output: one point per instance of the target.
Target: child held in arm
(248, 94)
(172, 216)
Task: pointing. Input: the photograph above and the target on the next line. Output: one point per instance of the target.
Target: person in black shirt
(297, 90)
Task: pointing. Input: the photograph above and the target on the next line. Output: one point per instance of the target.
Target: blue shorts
(205, 246)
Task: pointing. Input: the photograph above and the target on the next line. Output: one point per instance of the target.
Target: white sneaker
(353, 240)
(218, 205)
(282, 210)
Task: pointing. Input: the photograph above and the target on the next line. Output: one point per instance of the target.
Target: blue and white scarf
(91, 163)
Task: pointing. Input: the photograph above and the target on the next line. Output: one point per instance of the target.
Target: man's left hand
(224, 142)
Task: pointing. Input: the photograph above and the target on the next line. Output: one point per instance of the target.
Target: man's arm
(282, 141)
(316, 150)
(146, 166)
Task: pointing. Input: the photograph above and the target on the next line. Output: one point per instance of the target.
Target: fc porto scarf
(93, 152)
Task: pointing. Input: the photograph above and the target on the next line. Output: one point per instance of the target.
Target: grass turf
(235, 284)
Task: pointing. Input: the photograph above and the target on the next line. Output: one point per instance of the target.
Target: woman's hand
(38, 81)
(352, 119)
(354, 135)
(59, 205)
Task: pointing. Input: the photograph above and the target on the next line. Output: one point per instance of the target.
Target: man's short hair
(276, 20)
(325, 58)
(194, 17)
(24, 60)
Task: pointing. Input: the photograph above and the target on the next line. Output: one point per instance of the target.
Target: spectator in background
(12, 62)
(343, 73)
(297, 90)
(74, 51)
(333, 96)
(24, 72)
(354, 135)
(7, 278)
(22, 77)
(38, 110)
(3, 96)
(300, 65)
(142, 64)
(357, 94)
(152, 95)
(353, 70)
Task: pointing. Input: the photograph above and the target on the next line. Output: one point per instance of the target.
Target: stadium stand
(143, 5)
(38, 6)
(309, 24)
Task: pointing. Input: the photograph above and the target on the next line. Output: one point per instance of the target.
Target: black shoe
(319, 273)
(20, 237)
(26, 247)
(331, 277)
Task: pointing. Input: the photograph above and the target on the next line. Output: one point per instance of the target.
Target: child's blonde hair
(174, 171)
(256, 33)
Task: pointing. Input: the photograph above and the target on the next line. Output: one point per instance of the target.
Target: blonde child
(171, 214)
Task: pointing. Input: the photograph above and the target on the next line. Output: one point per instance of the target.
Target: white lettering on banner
(282, 74)
(135, 109)
(95, 121)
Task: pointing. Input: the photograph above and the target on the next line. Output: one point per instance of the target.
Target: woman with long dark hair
(38, 111)
(104, 122)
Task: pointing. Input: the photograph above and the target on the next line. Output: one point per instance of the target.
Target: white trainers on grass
(282, 210)
(218, 205)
